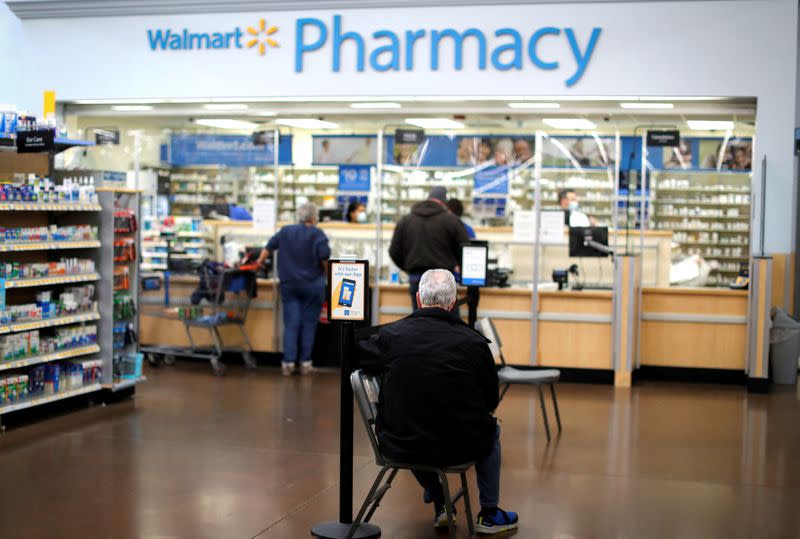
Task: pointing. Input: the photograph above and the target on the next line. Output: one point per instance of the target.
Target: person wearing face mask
(356, 213)
(568, 200)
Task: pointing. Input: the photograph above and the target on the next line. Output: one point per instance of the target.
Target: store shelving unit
(709, 214)
(192, 186)
(123, 284)
(22, 290)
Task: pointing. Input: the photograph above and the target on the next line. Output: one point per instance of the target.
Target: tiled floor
(254, 454)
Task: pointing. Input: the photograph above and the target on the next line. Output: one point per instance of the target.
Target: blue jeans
(487, 469)
(301, 307)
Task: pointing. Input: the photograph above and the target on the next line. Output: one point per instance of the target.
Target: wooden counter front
(575, 329)
(694, 327)
(156, 330)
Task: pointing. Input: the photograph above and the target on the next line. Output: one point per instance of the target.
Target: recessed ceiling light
(569, 123)
(306, 123)
(225, 106)
(226, 123)
(435, 123)
(132, 108)
(647, 105)
(710, 125)
(265, 113)
(527, 105)
(375, 105)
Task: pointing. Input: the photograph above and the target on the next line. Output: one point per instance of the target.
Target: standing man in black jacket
(439, 390)
(429, 237)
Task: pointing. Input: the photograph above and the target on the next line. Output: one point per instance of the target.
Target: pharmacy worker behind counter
(303, 254)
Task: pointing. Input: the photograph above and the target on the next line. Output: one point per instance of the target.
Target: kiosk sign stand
(474, 265)
(348, 284)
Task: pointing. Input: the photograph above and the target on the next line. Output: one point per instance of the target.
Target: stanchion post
(348, 282)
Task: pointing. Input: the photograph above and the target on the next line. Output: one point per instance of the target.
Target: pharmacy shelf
(679, 202)
(190, 234)
(41, 206)
(47, 245)
(119, 385)
(47, 358)
(189, 256)
(29, 325)
(152, 267)
(51, 281)
(712, 217)
(702, 190)
(29, 403)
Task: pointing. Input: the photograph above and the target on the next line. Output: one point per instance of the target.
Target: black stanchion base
(337, 530)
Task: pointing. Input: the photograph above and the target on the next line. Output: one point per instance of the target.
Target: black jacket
(438, 390)
(429, 237)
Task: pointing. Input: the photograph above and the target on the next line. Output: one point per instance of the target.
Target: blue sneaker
(495, 520)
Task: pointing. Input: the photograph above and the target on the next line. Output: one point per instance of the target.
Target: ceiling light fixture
(375, 105)
(306, 123)
(226, 123)
(569, 123)
(647, 105)
(528, 105)
(266, 113)
(710, 125)
(435, 123)
(132, 108)
(225, 106)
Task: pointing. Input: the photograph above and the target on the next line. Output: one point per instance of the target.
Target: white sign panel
(348, 290)
(552, 226)
(264, 215)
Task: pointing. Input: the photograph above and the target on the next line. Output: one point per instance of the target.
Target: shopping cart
(222, 299)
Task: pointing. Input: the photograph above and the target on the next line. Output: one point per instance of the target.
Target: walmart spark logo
(256, 41)
(184, 40)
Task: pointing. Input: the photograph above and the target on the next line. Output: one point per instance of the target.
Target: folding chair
(508, 375)
(366, 391)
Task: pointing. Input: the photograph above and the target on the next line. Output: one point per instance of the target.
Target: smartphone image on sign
(347, 292)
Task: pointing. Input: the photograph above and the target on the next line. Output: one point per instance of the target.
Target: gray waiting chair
(366, 390)
(508, 375)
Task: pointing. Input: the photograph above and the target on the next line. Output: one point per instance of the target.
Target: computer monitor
(330, 214)
(588, 241)
(210, 210)
(474, 263)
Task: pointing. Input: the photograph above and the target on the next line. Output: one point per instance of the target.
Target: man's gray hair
(437, 288)
(307, 213)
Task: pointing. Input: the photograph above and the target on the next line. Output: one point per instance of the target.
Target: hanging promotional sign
(226, 150)
(491, 181)
(354, 178)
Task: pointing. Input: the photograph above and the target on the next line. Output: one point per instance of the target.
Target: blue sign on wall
(354, 178)
(491, 181)
(227, 150)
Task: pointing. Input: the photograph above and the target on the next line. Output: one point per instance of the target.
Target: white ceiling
(51, 9)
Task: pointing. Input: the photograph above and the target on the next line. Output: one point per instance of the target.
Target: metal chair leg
(467, 505)
(544, 411)
(555, 406)
(503, 392)
(380, 494)
(448, 505)
(366, 503)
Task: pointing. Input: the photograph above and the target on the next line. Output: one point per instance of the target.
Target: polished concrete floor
(256, 455)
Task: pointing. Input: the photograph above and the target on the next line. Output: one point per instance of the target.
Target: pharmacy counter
(680, 327)
(694, 327)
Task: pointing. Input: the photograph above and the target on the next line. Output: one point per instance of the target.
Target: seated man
(439, 390)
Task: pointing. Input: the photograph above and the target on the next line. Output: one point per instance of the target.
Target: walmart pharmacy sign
(504, 49)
